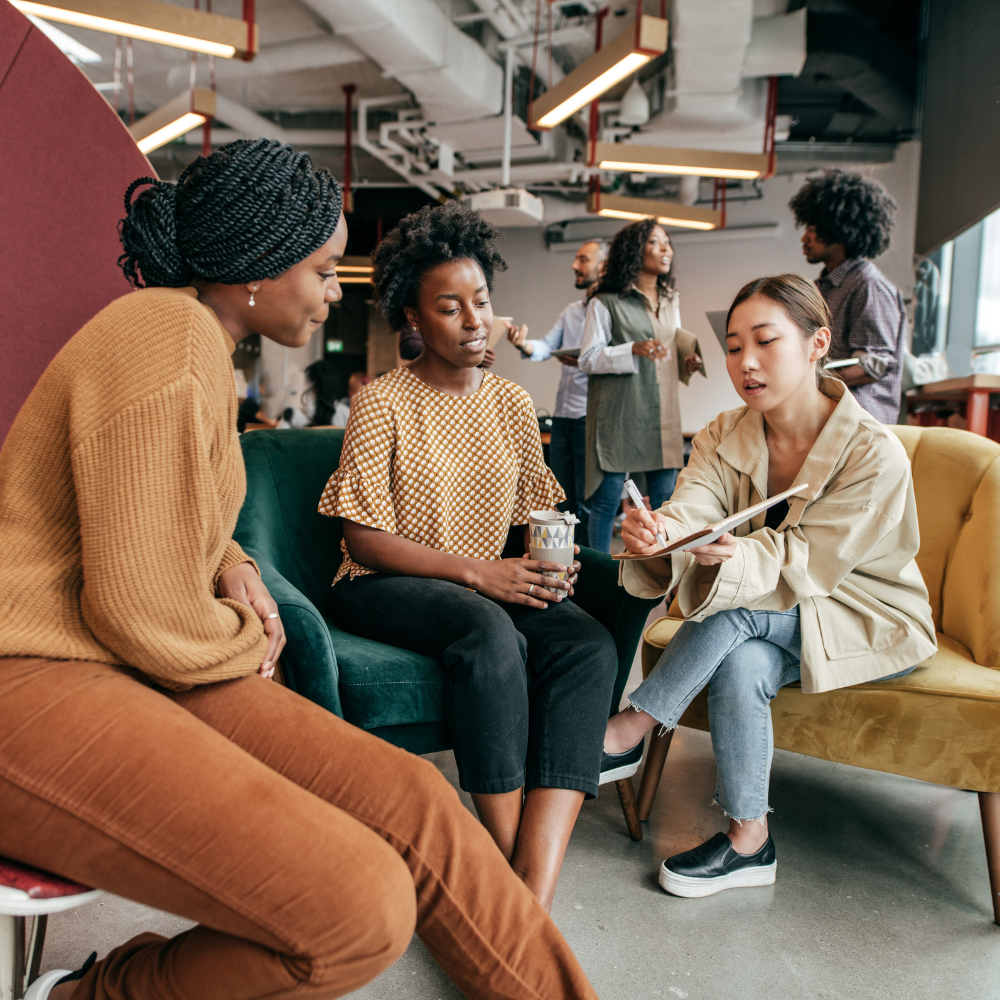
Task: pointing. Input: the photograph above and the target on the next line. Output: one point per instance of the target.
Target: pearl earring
(251, 298)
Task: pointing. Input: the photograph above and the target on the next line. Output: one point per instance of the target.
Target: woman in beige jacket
(823, 588)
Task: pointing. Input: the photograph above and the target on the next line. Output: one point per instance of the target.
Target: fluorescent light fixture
(636, 159)
(601, 71)
(666, 212)
(77, 51)
(152, 21)
(183, 113)
(354, 269)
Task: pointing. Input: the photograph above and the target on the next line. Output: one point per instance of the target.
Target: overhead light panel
(666, 212)
(354, 270)
(173, 119)
(151, 21)
(601, 71)
(665, 160)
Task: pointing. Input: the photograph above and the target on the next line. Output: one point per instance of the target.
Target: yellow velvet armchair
(941, 722)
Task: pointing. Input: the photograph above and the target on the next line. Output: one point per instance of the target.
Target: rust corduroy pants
(306, 850)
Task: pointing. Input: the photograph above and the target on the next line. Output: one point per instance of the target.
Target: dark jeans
(568, 459)
(527, 690)
(607, 501)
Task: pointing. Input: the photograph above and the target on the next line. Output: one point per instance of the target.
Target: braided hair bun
(434, 235)
(247, 212)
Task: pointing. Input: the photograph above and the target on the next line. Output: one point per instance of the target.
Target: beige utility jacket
(844, 555)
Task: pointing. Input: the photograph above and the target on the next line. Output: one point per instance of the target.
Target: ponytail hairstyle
(249, 211)
(801, 300)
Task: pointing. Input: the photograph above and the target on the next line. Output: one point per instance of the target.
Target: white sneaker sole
(42, 986)
(685, 885)
(618, 773)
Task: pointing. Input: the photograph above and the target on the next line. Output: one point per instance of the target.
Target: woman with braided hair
(441, 465)
(150, 755)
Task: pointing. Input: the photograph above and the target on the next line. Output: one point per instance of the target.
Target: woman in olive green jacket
(821, 589)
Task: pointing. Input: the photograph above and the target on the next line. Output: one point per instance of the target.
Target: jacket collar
(745, 447)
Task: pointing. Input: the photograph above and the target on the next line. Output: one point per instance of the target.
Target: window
(986, 339)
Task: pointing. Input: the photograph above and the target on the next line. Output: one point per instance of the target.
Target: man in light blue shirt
(567, 452)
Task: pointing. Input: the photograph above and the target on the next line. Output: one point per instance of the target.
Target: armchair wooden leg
(989, 808)
(656, 757)
(626, 795)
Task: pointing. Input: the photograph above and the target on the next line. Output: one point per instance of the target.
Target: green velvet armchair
(393, 693)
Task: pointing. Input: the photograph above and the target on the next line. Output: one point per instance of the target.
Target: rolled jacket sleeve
(777, 570)
(772, 570)
(597, 356)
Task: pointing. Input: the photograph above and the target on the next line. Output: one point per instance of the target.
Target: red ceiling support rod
(595, 116)
(249, 13)
(348, 89)
(719, 199)
(769, 126)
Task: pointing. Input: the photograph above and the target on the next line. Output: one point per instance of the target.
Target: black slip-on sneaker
(715, 866)
(615, 766)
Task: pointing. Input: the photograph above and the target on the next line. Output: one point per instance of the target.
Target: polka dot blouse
(450, 472)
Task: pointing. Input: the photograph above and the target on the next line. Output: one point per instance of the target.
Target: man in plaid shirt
(848, 219)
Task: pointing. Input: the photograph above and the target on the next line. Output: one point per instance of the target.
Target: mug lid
(553, 517)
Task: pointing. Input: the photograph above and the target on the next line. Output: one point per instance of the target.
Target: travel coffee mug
(551, 537)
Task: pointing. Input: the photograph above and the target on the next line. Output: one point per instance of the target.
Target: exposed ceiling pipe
(373, 149)
(310, 53)
(297, 137)
(414, 42)
(503, 15)
(251, 124)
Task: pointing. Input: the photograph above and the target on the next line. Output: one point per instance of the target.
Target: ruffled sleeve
(537, 487)
(361, 488)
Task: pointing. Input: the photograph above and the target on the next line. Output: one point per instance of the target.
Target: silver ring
(531, 590)
(273, 614)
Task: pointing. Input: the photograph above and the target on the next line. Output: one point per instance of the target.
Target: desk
(971, 392)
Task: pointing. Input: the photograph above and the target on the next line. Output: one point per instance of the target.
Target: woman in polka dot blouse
(442, 462)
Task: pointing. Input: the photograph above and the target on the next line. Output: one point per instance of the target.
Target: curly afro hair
(434, 235)
(849, 209)
(625, 260)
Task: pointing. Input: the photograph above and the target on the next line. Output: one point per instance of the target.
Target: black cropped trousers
(527, 690)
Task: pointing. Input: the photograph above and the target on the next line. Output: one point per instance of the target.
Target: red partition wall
(65, 162)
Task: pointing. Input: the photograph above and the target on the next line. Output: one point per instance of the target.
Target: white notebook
(713, 532)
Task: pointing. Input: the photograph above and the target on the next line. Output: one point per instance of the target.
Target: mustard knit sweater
(120, 484)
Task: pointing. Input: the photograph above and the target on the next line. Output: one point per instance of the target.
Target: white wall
(711, 268)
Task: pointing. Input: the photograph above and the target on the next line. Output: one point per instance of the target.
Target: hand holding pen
(647, 521)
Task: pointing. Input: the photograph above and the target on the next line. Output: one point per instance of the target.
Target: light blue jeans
(745, 658)
(607, 501)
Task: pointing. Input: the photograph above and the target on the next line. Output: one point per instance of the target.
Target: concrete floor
(882, 893)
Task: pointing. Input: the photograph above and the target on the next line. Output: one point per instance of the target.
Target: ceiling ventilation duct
(449, 74)
(722, 54)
